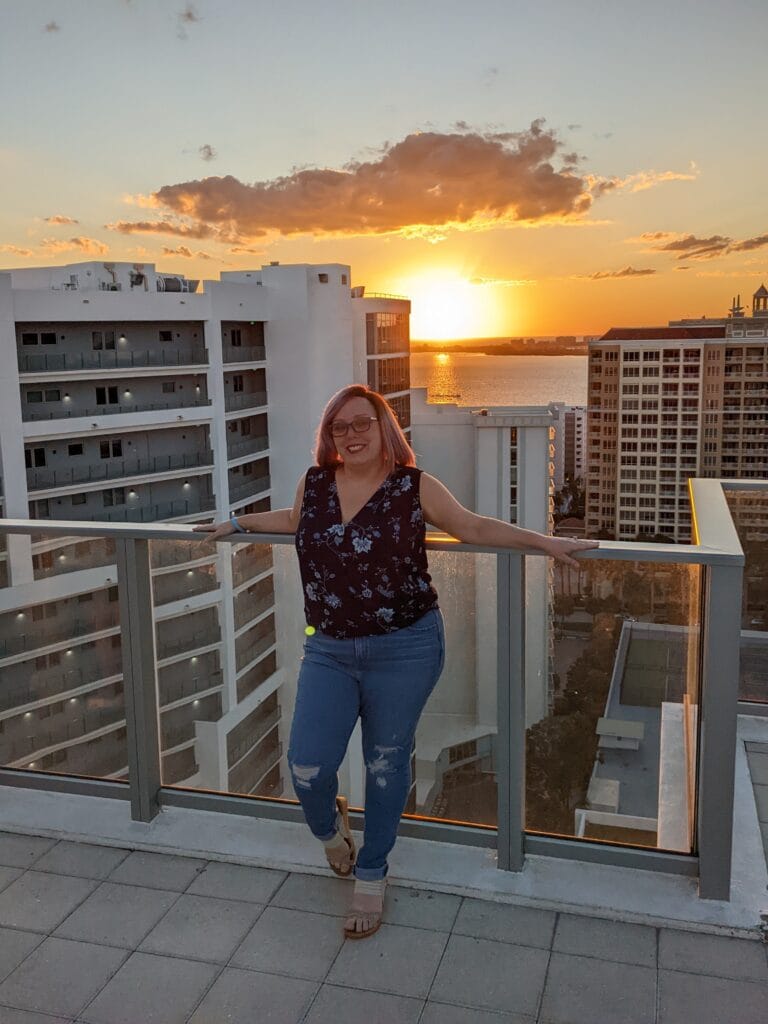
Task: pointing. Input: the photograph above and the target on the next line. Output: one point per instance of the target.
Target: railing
(151, 513)
(250, 485)
(52, 362)
(110, 410)
(379, 295)
(243, 353)
(112, 469)
(247, 447)
(625, 757)
(245, 400)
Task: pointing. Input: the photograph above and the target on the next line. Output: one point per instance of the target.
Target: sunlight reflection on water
(467, 379)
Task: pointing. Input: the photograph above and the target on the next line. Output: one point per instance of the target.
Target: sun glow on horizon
(445, 306)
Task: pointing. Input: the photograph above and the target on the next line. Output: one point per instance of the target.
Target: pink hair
(394, 443)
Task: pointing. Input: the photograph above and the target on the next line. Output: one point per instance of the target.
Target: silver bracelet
(236, 525)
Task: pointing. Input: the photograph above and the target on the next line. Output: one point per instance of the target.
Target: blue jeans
(385, 680)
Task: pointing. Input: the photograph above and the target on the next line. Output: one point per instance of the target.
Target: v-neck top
(367, 576)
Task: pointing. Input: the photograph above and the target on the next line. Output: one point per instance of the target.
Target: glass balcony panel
(62, 707)
(613, 758)
(454, 769)
(749, 509)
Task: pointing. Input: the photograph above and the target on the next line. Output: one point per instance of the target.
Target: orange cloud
(638, 182)
(60, 218)
(182, 250)
(427, 180)
(16, 250)
(88, 246)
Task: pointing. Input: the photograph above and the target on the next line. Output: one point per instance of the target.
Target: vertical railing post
(510, 749)
(139, 679)
(721, 627)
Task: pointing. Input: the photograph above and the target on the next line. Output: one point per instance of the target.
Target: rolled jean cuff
(370, 874)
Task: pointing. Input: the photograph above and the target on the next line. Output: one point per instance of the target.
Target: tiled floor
(757, 756)
(104, 936)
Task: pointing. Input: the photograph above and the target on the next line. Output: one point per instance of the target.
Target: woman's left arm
(441, 509)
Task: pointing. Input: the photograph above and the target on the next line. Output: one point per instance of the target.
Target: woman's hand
(213, 531)
(563, 548)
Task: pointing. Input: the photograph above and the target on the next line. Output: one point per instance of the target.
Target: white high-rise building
(128, 395)
(498, 462)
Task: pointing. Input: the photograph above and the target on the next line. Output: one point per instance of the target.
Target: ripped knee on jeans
(304, 774)
(383, 763)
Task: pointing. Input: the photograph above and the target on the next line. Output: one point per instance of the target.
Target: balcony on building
(75, 399)
(248, 479)
(599, 765)
(247, 436)
(245, 390)
(100, 347)
(132, 502)
(242, 342)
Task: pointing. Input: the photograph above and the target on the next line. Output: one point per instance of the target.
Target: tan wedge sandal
(371, 893)
(345, 832)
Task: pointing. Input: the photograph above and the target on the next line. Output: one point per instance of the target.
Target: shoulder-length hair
(394, 443)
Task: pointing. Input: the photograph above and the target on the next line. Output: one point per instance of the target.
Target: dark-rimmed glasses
(358, 423)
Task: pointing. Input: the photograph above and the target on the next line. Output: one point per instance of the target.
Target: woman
(375, 642)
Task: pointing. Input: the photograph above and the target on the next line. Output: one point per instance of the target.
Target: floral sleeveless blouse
(367, 576)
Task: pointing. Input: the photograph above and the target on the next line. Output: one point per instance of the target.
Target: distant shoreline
(510, 349)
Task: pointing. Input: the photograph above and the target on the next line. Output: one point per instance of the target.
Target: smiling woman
(445, 305)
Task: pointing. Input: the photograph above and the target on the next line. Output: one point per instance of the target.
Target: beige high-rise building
(669, 403)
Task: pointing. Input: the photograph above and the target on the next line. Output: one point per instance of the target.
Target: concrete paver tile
(694, 997)
(582, 989)
(418, 908)
(151, 990)
(10, 1016)
(441, 1013)
(157, 870)
(17, 851)
(491, 975)
(39, 902)
(245, 997)
(715, 955)
(291, 942)
(117, 915)
(14, 947)
(315, 893)
(60, 977)
(396, 959)
(237, 882)
(503, 922)
(606, 940)
(202, 928)
(335, 1005)
(81, 859)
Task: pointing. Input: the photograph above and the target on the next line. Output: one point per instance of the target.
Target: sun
(445, 305)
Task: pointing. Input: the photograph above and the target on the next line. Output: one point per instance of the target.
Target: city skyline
(510, 171)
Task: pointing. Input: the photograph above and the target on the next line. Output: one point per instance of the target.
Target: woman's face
(359, 449)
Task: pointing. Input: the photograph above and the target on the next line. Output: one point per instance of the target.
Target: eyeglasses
(359, 424)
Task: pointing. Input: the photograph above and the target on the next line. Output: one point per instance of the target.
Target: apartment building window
(102, 340)
(43, 338)
(79, 499)
(34, 457)
(236, 337)
(650, 371)
(28, 338)
(39, 509)
(33, 397)
(75, 449)
(649, 357)
(106, 395)
(111, 449)
(165, 335)
(169, 386)
(630, 389)
(631, 357)
(113, 496)
(650, 389)
(237, 382)
(631, 371)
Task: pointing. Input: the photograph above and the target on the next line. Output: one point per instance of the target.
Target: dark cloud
(601, 275)
(188, 16)
(573, 127)
(490, 76)
(60, 218)
(162, 227)
(207, 152)
(52, 26)
(426, 180)
(750, 243)
(687, 247)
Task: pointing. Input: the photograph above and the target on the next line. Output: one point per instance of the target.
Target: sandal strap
(374, 887)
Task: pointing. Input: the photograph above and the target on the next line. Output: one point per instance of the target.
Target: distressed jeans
(385, 681)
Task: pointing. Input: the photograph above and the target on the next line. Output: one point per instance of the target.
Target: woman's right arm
(280, 520)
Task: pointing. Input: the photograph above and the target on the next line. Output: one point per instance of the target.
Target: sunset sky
(514, 167)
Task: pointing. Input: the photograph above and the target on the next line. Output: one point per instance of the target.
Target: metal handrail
(113, 410)
(62, 362)
(112, 469)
